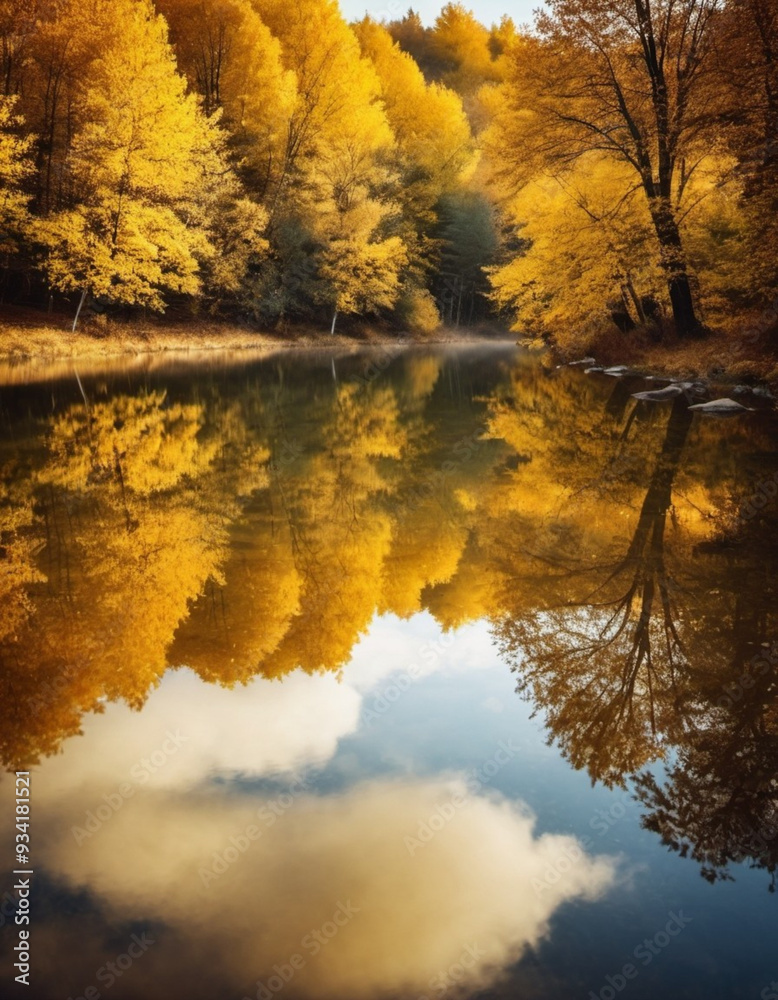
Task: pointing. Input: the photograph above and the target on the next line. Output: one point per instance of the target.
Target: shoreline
(34, 351)
(29, 346)
(24, 342)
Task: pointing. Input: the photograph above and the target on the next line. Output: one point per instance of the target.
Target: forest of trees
(613, 167)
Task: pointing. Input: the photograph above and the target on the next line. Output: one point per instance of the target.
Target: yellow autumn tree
(47, 50)
(462, 44)
(428, 120)
(434, 151)
(136, 164)
(589, 250)
(232, 60)
(360, 271)
(15, 165)
(336, 118)
(332, 210)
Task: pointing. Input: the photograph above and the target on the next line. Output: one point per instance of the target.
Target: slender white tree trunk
(334, 321)
(78, 311)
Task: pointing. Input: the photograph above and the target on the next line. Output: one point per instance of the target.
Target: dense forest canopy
(612, 168)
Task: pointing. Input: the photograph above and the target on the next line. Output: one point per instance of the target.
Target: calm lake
(402, 674)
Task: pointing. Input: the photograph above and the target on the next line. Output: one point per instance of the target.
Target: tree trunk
(334, 321)
(78, 311)
(675, 268)
(630, 288)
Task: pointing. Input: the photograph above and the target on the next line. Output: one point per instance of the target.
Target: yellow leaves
(417, 310)
(234, 62)
(137, 158)
(588, 230)
(337, 90)
(359, 271)
(428, 120)
(122, 249)
(364, 276)
(717, 234)
(140, 125)
(256, 153)
(15, 166)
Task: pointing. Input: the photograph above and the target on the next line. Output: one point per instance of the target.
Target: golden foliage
(136, 160)
(15, 166)
(259, 528)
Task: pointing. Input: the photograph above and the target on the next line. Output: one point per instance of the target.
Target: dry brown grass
(26, 333)
(33, 344)
(718, 355)
(33, 336)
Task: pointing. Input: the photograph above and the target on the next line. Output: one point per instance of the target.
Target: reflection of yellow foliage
(475, 590)
(367, 425)
(233, 628)
(151, 445)
(18, 571)
(426, 551)
(261, 532)
(128, 539)
(421, 374)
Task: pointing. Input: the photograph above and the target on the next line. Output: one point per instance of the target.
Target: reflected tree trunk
(601, 664)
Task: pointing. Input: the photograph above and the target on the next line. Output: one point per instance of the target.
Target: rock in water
(660, 395)
(722, 408)
(594, 370)
(616, 370)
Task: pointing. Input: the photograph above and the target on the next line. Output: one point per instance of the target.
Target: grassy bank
(34, 347)
(30, 340)
(26, 335)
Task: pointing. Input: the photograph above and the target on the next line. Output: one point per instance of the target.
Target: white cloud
(473, 883)
(265, 728)
(268, 727)
(393, 646)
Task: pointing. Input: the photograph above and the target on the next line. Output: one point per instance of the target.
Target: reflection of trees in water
(719, 802)
(602, 652)
(124, 538)
(626, 660)
(249, 531)
(257, 527)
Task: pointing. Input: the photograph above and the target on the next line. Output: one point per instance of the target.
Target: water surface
(397, 674)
